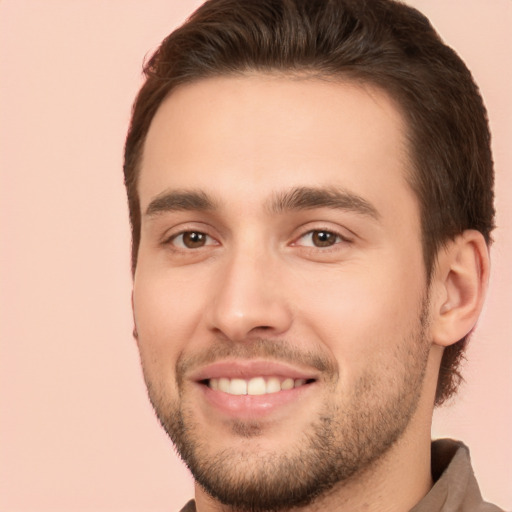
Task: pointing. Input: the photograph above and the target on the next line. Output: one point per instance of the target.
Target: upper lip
(248, 369)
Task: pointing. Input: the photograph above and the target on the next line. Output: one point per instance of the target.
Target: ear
(459, 286)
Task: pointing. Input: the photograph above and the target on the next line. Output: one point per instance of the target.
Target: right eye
(191, 240)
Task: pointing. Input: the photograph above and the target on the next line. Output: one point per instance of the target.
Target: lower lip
(254, 406)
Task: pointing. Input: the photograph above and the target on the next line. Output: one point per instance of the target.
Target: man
(311, 198)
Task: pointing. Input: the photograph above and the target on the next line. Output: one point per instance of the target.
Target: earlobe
(460, 282)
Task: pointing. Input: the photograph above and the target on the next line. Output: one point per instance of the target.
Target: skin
(258, 278)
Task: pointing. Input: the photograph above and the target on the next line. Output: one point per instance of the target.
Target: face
(279, 296)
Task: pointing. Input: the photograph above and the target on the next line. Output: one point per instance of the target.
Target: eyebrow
(295, 199)
(180, 200)
(308, 198)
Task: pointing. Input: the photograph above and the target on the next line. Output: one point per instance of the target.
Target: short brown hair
(381, 42)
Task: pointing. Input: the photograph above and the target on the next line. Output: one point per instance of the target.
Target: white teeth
(254, 386)
(298, 383)
(238, 387)
(223, 385)
(273, 385)
(287, 384)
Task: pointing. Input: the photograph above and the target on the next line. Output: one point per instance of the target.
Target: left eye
(319, 238)
(192, 240)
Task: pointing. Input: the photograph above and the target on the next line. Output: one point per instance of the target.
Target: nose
(249, 299)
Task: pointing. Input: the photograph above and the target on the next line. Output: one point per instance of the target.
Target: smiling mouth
(256, 385)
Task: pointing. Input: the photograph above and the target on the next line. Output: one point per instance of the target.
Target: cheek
(166, 316)
(360, 316)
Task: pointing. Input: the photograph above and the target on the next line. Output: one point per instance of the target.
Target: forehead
(252, 135)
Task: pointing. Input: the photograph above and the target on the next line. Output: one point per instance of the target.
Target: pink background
(76, 430)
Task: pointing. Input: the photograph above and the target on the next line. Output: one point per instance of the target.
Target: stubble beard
(340, 444)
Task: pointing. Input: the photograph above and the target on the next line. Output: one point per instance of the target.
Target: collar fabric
(455, 488)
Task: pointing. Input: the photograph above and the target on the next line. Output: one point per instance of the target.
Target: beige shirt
(455, 488)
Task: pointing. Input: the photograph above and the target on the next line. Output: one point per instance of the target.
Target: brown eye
(191, 240)
(323, 238)
(320, 238)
